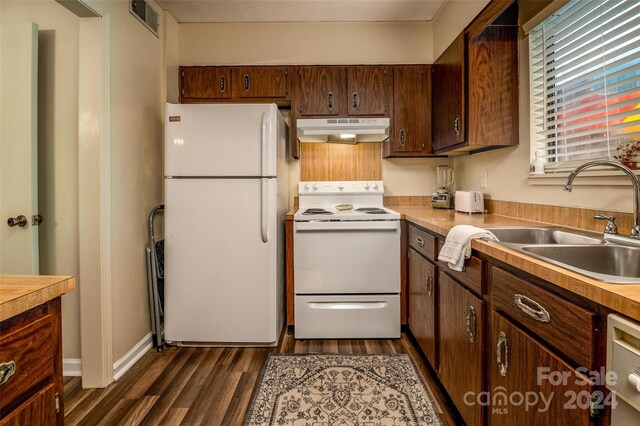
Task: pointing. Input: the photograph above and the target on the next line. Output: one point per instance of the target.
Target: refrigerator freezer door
(223, 284)
(221, 140)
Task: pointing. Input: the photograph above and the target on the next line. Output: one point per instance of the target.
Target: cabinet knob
(502, 360)
(330, 100)
(403, 136)
(532, 308)
(7, 369)
(246, 82)
(429, 284)
(223, 83)
(471, 324)
(420, 241)
(456, 125)
(355, 101)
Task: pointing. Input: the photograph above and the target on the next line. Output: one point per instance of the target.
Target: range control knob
(306, 186)
(375, 186)
(315, 186)
(366, 186)
(340, 186)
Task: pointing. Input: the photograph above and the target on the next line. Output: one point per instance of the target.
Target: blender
(443, 197)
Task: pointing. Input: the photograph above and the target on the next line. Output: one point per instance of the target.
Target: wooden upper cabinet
(461, 346)
(367, 90)
(322, 90)
(260, 82)
(199, 83)
(411, 126)
(514, 370)
(475, 84)
(449, 96)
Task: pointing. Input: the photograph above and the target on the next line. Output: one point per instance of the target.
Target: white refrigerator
(226, 194)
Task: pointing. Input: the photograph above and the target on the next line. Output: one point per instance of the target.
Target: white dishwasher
(623, 358)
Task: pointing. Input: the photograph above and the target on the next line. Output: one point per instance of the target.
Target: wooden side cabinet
(31, 361)
(411, 118)
(522, 366)
(461, 333)
(422, 304)
(368, 90)
(322, 90)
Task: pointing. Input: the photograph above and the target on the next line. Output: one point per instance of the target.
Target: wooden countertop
(19, 293)
(623, 298)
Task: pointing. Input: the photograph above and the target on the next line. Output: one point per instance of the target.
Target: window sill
(602, 177)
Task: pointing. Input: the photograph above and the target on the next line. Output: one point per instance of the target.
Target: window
(585, 82)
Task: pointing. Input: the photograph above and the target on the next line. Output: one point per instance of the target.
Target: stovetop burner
(371, 210)
(314, 211)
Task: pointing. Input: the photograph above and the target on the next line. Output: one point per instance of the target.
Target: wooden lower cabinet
(422, 304)
(461, 340)
(524, 370)
(39, 410)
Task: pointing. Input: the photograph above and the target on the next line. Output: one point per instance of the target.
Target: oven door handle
(347, 305)
(390, 225)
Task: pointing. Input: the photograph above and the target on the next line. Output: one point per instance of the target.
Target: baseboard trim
(122, 365)
(72, 367)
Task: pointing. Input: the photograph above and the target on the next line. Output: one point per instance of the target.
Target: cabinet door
(411, 132)
(367, 90)
(205, 83)
(449, 96)
(461, 343)
(40, 410)
(322, 90)
(521, 366)
(422, 306)
(260, 82)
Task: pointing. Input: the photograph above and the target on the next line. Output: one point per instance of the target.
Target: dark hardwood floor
(211, 386)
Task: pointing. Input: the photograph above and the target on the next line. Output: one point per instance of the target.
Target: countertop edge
(37, 297)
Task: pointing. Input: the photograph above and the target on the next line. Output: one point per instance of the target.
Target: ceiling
(190, 11)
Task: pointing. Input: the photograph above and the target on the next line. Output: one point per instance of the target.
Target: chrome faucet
(635, 228)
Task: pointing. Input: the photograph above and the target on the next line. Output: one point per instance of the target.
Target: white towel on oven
(457, 247)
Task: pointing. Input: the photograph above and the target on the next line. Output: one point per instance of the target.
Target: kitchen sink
(611, 263)
(537, 235)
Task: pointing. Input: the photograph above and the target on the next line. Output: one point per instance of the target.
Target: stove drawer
(347, 317)
(346, 257)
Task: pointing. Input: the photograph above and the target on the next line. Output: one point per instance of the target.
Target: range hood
(343, 130)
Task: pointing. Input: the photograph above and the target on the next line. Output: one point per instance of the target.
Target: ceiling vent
(145, 14)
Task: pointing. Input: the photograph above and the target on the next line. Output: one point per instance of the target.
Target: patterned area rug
(341, 390)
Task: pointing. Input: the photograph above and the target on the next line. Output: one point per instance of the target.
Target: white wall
(57, 147)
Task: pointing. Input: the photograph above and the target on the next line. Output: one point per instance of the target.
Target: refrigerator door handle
(264, 213)
(264, 139)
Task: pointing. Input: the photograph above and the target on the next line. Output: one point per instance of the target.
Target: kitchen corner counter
(623, 298)
(19, 293)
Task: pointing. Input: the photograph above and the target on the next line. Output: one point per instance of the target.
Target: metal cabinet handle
(471, 323)
(503, 361)
(403, 136)
(356, 100)
(223, 83)
(456, 125)
(246, 82)
(20, 221)
(7, 369)
(429, 284)
(330, 100)
(420, 241)
(531, 308)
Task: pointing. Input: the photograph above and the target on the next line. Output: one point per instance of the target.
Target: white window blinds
(585, 81)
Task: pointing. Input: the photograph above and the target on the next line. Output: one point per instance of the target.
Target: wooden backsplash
(334, 161)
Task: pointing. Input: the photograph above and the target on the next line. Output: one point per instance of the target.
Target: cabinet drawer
(29, 349)
(423, 242)
(562, 324)
(472, 274)
(39, 410)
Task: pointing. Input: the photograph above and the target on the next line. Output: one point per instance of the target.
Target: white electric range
(346, 262)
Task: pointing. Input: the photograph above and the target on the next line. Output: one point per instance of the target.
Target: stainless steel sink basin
(611, 263)
(535, 235)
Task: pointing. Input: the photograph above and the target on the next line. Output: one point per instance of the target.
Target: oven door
(347, 257)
